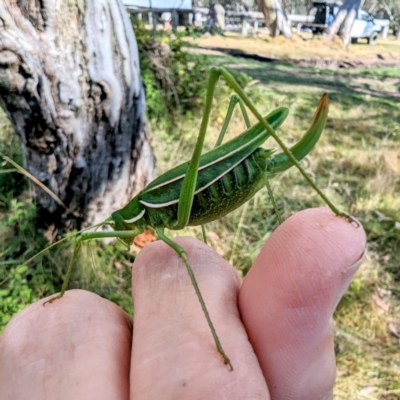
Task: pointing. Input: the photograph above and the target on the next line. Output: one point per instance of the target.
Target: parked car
(364, 26)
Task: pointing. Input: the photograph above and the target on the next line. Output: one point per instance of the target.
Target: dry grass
(303, 46)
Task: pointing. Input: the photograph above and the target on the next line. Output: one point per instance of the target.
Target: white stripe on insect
(207, 165)
(134, 219)
(170, 203)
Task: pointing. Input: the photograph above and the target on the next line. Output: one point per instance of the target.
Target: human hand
(276, 326)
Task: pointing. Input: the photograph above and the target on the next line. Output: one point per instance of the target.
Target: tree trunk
(394, 17)
(70, 83)
(343, 21)
(219, 16)
(275, 17)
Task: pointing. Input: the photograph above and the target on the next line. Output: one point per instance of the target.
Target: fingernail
(350, 271)
(347, 277)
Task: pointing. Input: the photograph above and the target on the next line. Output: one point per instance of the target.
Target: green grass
(356, 163)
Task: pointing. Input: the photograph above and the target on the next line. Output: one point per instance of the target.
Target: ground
(307, 50)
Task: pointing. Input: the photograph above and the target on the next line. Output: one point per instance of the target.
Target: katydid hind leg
(274, 204)
(204, 233)
(270, 193)
(182, 254)
(322, 108)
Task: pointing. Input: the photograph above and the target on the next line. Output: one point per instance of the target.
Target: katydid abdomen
(218, 198)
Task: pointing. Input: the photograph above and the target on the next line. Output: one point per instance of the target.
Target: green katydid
(211, 185)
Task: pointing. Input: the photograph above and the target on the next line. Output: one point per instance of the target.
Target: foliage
(21, 284)
(174, 78)
(16, 295)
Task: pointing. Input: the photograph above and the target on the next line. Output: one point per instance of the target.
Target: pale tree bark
(216, 19)
(219, 15)
(394, 17)
(70, 83)
(343, 22)
(275, 17)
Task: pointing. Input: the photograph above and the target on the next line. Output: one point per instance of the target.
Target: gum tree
(343, 22)
(70, 83)
(275, 17)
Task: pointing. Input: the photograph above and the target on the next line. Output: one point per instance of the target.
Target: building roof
(160, 4)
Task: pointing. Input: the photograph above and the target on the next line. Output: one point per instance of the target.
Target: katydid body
(211, 185)
(228, 176)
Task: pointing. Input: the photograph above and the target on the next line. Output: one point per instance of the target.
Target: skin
(276, 326)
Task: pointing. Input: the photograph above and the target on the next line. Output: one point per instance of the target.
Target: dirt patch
(342, 64)
(303, 51)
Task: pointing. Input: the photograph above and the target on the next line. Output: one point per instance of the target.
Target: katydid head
(130, 218)
(116, 221)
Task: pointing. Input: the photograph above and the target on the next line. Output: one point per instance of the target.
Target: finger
(77, 347)
(288, 298)
(173, 353)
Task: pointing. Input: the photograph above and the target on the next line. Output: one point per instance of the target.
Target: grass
(356, 163)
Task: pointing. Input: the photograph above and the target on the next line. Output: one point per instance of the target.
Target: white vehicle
(364, 26)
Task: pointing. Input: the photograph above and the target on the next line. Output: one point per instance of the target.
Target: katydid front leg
(67, 275)
(88, 236)
(235, 99)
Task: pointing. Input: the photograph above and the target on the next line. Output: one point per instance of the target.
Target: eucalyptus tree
(343, 21)
(275, 17)
(70, 83)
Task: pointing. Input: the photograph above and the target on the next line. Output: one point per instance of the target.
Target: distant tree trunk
(219, 13)
(70, 83)
(344, 21)
(216, 19)
(275, 17)
(394, 17)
